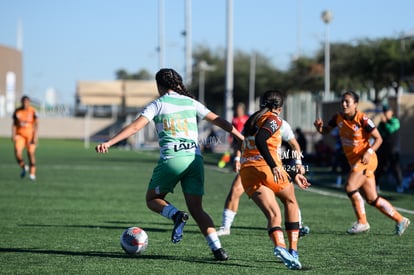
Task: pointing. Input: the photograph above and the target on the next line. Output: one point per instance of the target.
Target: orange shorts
(22, 142)
(368, 169)
(253, 178)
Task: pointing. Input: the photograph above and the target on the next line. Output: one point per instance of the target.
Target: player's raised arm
(224, 124)
(126, 132)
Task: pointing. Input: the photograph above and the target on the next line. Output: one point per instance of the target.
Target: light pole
(228, 102)
(203, 67)
(327, 18)
(252, 83)
(161, 46)
(188, 47)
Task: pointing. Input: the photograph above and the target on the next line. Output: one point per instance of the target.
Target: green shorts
(189, 170)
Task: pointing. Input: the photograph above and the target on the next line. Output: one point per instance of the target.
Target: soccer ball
(134, 240)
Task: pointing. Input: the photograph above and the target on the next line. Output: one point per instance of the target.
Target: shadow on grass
(116, 255)
(90, 226)
(148, 229)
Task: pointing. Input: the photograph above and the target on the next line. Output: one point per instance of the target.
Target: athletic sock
(213, 241)
(32, 169)
(276, 235)
(359, 207)
(228, 218)
(292, 229)
(293, 236)
(385, 207)
(169, 211)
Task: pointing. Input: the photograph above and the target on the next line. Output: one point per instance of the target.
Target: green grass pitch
(69, 222)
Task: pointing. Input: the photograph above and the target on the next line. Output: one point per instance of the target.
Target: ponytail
(270, 100)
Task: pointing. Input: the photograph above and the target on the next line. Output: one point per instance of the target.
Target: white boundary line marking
(316, 190)
(311, 189)
(341, 196)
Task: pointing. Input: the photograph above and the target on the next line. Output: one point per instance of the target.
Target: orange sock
(293, 236)
(385, 207)
(276, 235)
(359, 207)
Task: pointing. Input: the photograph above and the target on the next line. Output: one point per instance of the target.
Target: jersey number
(175, 125)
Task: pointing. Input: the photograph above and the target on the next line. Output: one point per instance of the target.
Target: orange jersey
(354, 134)
(25, 120)
(250, 154)
(254, 171)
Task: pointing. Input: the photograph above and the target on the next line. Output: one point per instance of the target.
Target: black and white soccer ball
(134, 240)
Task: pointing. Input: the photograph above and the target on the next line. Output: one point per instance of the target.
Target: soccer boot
(402, 226)
(180, 219)
(303, 231)
(220, 254)
(223, 231)
(24, 171)
(358, 228)
(294, 253)
(287, 258)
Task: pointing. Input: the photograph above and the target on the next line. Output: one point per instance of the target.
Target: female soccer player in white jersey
(175, 115)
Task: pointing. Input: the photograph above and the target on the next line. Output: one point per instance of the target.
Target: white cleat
(402, 226)
(358, 228)
(288, 259)
(223, 231)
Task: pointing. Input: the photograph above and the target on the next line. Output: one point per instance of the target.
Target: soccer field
(69, 222)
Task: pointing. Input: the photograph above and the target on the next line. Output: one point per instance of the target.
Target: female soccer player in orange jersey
(355, 132)
(24, 135)
(231, 205)
(263, 176)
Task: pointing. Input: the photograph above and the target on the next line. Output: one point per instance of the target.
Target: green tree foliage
(361, 66)
(143, 74)
(370, 64)
(266, 77)
(305, 74)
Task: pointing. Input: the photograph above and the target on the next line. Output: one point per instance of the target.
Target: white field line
(318, 191)
(74, 167)
(118, 168)
(341, 196)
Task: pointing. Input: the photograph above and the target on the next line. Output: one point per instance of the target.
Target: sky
(82, 40)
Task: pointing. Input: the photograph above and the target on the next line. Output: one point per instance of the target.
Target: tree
(267, 76)
(142, 74)
(305, 74)
(367, 64)
(361, 66)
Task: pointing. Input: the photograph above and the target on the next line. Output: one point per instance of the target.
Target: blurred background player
(301, 140)
(175, 115)
(238, 122)
(231, 205)
(24, 135)
(355, 131)
(264, 178)
(388, 153)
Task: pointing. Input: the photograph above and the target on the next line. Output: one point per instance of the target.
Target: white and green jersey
(175, 118)
(286, 131)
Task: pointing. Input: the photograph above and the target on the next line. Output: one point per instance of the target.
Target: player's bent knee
(373, 202)
(351, 193)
